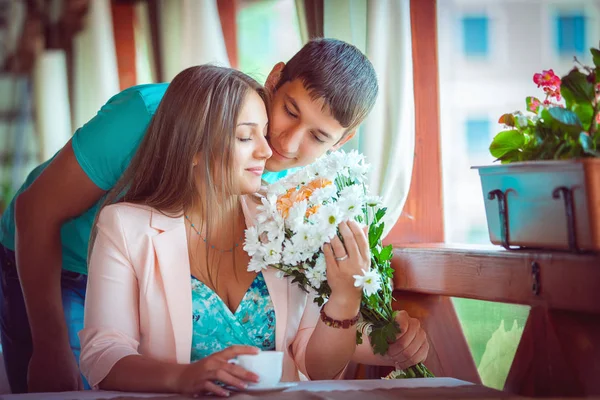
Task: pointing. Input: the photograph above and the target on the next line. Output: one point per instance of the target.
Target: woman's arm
(330, 349)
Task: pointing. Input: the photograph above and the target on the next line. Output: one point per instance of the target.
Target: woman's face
(251, 149)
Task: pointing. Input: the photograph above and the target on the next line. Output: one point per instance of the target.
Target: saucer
(260, 388)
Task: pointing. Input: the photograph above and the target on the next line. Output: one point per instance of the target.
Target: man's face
(300, 129)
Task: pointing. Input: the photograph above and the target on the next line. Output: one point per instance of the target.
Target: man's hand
(411, 345)
(53, 369)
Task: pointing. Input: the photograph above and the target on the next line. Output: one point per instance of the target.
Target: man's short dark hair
(338, 73)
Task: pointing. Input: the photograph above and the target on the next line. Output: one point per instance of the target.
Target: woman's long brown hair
(197, 116)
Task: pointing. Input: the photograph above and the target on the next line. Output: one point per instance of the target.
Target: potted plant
(546, 192)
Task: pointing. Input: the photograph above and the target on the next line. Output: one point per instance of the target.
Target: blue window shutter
(570, 34)
(475, 35)
(478, 136)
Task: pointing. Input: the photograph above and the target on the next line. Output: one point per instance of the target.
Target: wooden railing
(559, 352)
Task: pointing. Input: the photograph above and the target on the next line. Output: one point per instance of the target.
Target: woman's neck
(218, 226)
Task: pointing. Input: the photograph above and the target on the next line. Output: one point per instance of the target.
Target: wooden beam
(566, 281)
(422, 218)
(228, 16)
(123, 14)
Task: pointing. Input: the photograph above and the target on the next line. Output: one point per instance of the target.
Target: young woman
(169, 298)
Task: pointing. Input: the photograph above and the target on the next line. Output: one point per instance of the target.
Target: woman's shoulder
(126, 214)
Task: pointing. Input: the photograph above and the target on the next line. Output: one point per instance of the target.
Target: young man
(319, 98)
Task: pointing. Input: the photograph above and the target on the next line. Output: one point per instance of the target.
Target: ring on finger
(342, 258)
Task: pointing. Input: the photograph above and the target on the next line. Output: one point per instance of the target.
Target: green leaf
(585, 112)
(505, 142)
(376, 253)
(386, 253)
(565, 117)
(380, 214)
(568, 96)
(577, 83)
(382, 336)
(588, 145)
(596, 57)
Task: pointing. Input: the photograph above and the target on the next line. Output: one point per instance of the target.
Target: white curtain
(51, 93)
(190, 34)
(381, 29)
(95, 75)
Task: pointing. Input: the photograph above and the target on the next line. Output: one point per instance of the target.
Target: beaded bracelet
(334, 323)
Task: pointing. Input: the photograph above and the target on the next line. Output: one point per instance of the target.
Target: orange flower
(319, 184)
(286, 201)
(292, 196)
(312, 210)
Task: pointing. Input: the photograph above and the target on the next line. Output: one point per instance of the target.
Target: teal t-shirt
(103, 147)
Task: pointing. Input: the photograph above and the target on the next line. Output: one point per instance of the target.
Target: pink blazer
(139, 298)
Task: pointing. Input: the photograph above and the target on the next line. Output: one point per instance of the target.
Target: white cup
(266, 364)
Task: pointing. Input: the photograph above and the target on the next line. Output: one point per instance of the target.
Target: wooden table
(378, 389)
(559, 352)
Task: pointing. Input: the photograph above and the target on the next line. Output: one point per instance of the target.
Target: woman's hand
(345, 260)
(201, 376)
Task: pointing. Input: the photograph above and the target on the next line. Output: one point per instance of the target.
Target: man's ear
(343, 140)
(274, 77)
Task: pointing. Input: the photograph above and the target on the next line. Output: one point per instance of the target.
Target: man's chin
(276, 166)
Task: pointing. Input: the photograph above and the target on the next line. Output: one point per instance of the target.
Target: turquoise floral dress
(215, 327)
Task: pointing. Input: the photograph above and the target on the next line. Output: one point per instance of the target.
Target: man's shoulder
(148, 95)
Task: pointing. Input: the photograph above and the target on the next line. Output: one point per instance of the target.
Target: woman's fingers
(234, 351)
(349, 241)
(329, 257)
(360, 238)
(211, 387)
(339, 251)
(241, 373)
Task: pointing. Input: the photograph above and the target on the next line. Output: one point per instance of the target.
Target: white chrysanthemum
(257, 264)
(290, 255)
(316, 276)
(327, 219)
(252, 244)
(276, 189)
(296, 215)
(370, 281)
(324, 194)
(351, 201)
(272, 253)
(274, 229)
(320, 263)
(373, 201)
(267, 209)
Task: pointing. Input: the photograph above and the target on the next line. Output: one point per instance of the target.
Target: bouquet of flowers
(301, 212)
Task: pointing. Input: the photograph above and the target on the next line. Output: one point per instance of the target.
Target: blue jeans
(14, 325)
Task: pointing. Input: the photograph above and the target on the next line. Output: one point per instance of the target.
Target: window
(475, 35)
(267, 32)
(570, 34)
(478, 136)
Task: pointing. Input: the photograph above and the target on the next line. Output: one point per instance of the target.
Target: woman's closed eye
(244, 139)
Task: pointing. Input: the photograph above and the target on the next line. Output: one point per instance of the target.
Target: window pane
(493, 332)
(267, 32)
(570, 33)
(475, 35)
